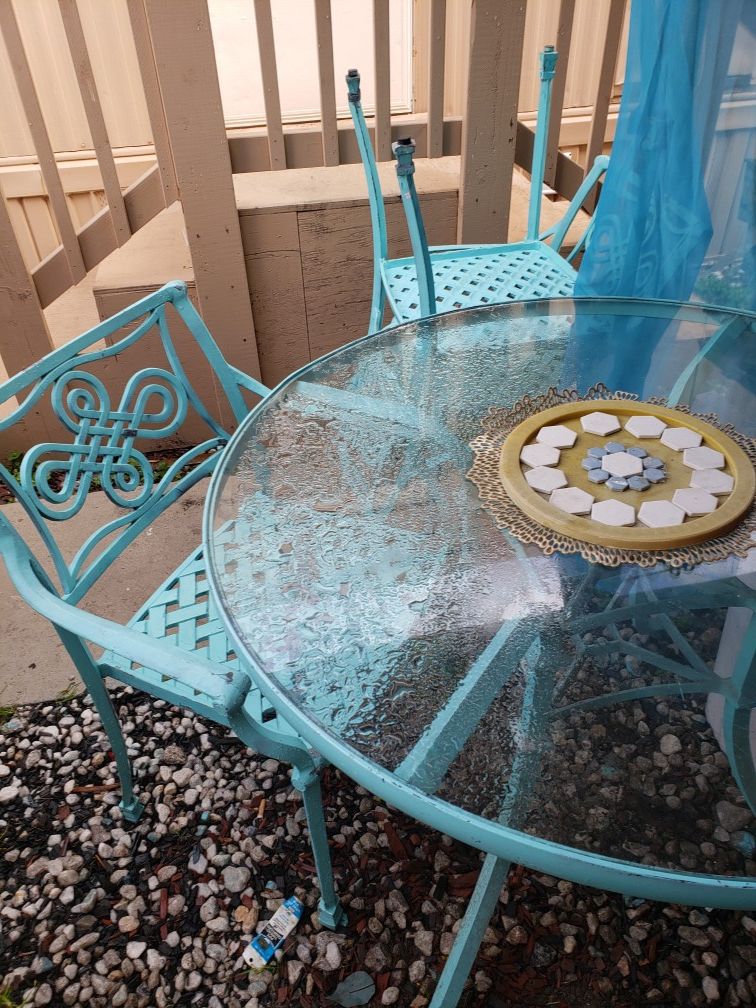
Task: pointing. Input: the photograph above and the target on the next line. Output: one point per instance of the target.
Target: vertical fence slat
(562, 43)
(33, 112)
(606, 79)
(267, 48)
(185, 61)
(382, 80)
(151, 87)
(436, 69)
(23, 331)
(69, 12)
(497, 29)
(328, 122)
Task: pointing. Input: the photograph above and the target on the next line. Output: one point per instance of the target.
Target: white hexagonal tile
(622, 464)
(680, 438)
(645, 426)
(694, 502)
(539, 455)
(599, 423)
(613, 512)
(573, 500)
(703, 458)
(660, 514)
(557, 435)
(712, 480)
(544, 479)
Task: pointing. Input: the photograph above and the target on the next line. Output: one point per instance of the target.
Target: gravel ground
(94, 910)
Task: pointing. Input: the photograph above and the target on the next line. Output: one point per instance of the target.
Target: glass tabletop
(606, 710)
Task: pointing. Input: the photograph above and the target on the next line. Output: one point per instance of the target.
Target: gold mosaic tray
(499, 474)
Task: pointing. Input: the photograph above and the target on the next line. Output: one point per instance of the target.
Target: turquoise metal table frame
(501, 841)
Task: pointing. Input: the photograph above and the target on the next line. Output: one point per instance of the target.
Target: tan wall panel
(269, 232)
(278, 305)
(337, 263)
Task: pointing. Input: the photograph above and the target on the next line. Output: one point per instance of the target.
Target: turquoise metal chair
(175, 646)
(446, 278)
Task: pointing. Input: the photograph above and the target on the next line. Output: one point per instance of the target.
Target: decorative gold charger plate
(501, 476)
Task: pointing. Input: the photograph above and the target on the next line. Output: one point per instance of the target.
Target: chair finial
(403, 150)
(548, 60)
(353, 85)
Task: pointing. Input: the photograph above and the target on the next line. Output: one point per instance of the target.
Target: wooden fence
(195, 156)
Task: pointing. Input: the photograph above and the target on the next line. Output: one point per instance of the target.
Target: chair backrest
(375, 195)
(102, 440)
(547, 68)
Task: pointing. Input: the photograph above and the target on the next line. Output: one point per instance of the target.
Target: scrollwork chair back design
(104, 443)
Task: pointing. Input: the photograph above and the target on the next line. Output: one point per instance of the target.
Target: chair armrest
(33, 585)
(559, 231)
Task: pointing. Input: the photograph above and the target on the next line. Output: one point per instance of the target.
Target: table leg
(482, 903)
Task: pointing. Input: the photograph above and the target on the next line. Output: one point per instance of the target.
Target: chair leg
(465, 948)
(130, 805)
(307, 781)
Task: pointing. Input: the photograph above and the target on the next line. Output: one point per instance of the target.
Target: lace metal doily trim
(499, 422)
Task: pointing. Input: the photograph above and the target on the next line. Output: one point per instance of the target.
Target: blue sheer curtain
(677, 216)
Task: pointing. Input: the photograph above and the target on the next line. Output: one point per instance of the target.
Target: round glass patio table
(592, 722)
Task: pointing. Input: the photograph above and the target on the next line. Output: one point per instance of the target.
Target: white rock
(424, 941)
(670, 744)
(236, 878)
(333, 955)
(134, 949)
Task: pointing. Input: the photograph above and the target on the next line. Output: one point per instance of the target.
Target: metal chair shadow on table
(175, 647)
(450, 277)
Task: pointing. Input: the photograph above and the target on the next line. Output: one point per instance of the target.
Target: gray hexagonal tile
(703, 458)
(660, 514)
(622, 464)
(694, 502)
(544, 479)
(557, 435)
(613, 512)
(638, 483)
(573, 500)
(539, 455)
(655, 475)
(680, 438)
(598, 475)
(714, 481)
(599, 423)
(645, 426)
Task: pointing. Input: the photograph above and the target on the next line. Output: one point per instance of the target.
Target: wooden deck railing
(195, 155)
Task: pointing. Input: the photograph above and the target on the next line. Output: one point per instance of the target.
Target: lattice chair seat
(490, 276)
(183, 613)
